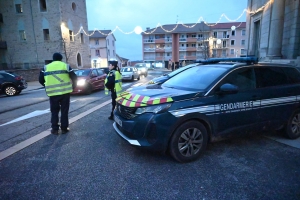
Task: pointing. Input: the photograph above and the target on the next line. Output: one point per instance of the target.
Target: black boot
(111, 117)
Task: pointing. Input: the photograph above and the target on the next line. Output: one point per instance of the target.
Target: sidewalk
(33, 85)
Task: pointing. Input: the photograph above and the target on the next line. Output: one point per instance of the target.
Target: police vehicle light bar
(248, 60)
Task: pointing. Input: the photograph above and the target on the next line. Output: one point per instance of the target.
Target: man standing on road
(113, 82)
(59, 80)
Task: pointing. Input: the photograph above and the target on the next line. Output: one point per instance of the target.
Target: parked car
(165, 77)
(11, 84)
(89, 80)
(142, 69)
(210, 102)
(130, 73)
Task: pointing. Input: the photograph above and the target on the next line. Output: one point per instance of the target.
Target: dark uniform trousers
(60, 103)
(113, 101)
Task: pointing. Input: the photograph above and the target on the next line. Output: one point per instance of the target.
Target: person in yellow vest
(59, 80)
(113, 83)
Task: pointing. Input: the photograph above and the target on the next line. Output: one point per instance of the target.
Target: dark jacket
(110, 84)
(72, 75)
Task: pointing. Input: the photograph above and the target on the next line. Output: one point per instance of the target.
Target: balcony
(182, 48)
(159, 58)
(191, 39)
(191, 49)
(160, 49)
(190, 57)
(182, 39)
(160, 40)
(149, 49)
(149, 58)
(149, 41)
(3, 45)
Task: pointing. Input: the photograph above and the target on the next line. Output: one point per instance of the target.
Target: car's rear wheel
(139, 77)
(188, 141)
(132, 78)
(293, 126)
(10, 90)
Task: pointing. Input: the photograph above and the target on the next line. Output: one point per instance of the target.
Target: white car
(130, 73)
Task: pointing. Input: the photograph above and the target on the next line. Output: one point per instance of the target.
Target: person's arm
(41, 78)
(73, 77)
(110, 84)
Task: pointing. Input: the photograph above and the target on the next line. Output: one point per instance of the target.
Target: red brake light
(18, 78)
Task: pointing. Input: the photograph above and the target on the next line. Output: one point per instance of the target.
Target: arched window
(78, 60)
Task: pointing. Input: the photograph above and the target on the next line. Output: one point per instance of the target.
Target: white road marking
(30, 115)
(126, 84)
(4, 154)
(294, 143)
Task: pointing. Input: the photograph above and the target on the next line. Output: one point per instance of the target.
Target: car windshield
(82, 72)
(139, 66)
(126, 69)
(196, 78)
(179, 70)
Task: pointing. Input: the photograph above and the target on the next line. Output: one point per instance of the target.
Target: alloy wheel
(190, 142)
(295, 125)
(10, 91)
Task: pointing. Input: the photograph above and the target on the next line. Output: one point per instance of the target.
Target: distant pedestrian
(173, 66)
(113, 83)
(59, 80)
(183, 63)
(170, 64)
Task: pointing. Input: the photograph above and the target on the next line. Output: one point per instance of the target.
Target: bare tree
(68, 51)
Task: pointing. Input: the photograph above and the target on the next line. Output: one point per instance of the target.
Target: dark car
(165, 77)
(89, 80)
(210, 102)
(11, 84)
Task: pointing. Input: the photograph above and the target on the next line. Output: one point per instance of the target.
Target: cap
(113, 62)
(57, 57)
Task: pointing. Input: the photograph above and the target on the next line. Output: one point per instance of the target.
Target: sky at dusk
(127, 14)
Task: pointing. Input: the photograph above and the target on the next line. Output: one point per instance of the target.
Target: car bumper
(150, 131)
(79, 90)
(126, 77)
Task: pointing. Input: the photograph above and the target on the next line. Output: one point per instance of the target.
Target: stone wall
(28, 75)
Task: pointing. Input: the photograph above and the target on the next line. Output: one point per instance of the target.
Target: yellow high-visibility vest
(118, 82)
(57, 79)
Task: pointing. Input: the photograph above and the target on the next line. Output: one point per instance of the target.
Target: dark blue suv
(207, 103)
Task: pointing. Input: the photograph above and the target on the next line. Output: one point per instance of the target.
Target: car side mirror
(228, 88)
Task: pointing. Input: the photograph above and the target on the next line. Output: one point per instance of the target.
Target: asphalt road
(93, 162)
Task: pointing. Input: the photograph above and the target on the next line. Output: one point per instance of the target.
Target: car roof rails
(248, 60)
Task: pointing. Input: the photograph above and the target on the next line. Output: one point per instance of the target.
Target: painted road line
(126, 84)
(4, 154)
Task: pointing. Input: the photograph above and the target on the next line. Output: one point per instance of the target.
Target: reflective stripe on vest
(57, 80)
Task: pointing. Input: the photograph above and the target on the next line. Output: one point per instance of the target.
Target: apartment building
(102, 47)
(32, 30)
(191, 42)
(273, 29)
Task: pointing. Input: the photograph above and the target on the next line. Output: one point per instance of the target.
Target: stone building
(273, 29)
(32, 30)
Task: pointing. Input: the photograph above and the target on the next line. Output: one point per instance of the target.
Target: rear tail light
(18, 78)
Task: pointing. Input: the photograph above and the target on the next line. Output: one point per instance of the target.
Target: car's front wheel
(10, 90)
(188, 141)
(293, 126)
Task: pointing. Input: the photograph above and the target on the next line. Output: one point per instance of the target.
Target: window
(243, 51)
(113, 43)
(243, 32)
(97, 52)
(46, 34)
(71, 35)
(292, 74)
(187, 45)
(270, 76)
(1, 18)
(224, 43)
(97, 42)
(19, 8)
(81, 38)
(224, 34)
(108, 52)
(200, 35)
(215, 34)
(232, 51)
(100, 72)
(182, 36)
(243, 42)
(182, 45)
(193, 45)
(215, 44)
(168, 54)
(74, 6)
(193, 36)
(22, 35)
(107, 42)
(114, 53)
(94, 73)
(43, 6)
(232, 42)
(243, 78)
(233, 33)
(26, 66)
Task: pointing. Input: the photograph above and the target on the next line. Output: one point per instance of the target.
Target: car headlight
(139, 72)
(151, 82)
(153, 109)
(81, 82)
(143, 70)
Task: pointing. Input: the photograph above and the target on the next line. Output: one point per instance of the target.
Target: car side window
(243, 78)
(100, 72)
(270, 76)
(293, 74)
(94, 72)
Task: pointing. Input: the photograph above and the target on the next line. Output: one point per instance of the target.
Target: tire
(293, 126)
(184, 139)
(19, 91)
(132, 78)
(138, 78)
(10, 90)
